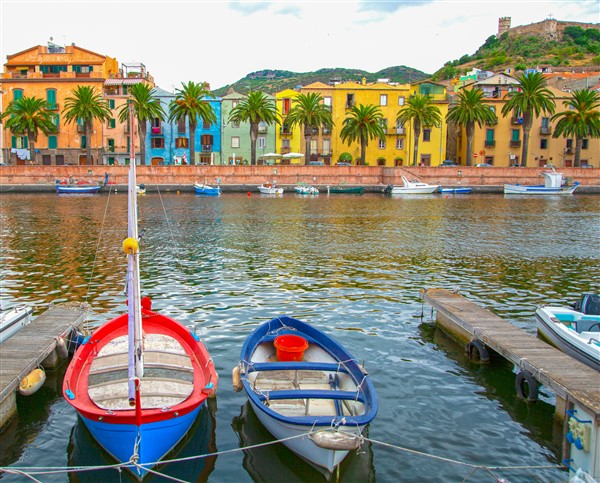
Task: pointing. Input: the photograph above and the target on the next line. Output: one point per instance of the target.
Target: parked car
(484, 165)
(343, 163)
(448, 162)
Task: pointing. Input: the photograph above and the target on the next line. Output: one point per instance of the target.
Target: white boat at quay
(306, 190)
(13, 320)
(576, 330)
(554, 184)
(270, 189)
(412, 188)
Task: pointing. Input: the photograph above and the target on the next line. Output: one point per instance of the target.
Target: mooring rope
(30, 471)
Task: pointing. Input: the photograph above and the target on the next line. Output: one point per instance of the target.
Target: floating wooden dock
(34, 345)
(577, 386)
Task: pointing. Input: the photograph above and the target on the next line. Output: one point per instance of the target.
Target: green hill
(272, 81)
(522, 49)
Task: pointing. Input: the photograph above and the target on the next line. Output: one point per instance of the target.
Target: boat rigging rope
(98, 245)
(30, 471)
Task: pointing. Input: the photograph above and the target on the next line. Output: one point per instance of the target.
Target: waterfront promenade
(244, 178)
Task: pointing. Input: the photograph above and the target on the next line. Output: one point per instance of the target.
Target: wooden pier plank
(566, 376)
(26, 350)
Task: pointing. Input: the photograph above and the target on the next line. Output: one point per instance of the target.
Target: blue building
(168, 142)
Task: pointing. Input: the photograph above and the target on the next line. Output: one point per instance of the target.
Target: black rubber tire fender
(525, 377)
(477, 351)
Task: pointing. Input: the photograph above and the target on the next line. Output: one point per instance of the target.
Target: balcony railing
(53, 107)
(207, 147)
(545, 130)
(398, 130)
(156, 130)
(285, 131)
(516, 120)
(490, 143)
(492, 123)
(262, 129)
(515, 143)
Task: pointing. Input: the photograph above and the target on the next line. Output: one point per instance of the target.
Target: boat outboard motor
(589, 304)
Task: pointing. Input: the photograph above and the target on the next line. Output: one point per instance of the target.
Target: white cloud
(221, 42)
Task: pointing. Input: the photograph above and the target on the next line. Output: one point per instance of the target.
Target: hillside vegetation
(578, 47)
(272, 81)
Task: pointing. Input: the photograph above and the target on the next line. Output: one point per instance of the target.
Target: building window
(382, 144)
(313, 146)
(83, 142)
(515, 135)
(235, 124)
(400, 100)
(111, 103)
(181, 126)
(426, 135)
(234, 103)
(51, 98)
(383, 122)
(17, 94)
(543, 143)
(235, 141)
(158, 143)
(327, 101)
(124, 90)
(52, 142)
(261, 142)
(286, 106)
(349, 101)
(111, 145)
(383, 99)
(399, 143)
(584, 144)
(425, 159)
(326, 146)
(206, 140)
(205, 125)
(112, 123)
(285, 145)
(181, 142)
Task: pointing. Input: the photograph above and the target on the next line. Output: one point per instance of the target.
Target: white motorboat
(575, 331)
(270, 189)
(412, 188)
(554, 184)
(306, 190)
(13, 320)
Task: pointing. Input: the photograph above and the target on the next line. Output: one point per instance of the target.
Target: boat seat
(297, 366)
(588, 325)
(312, 394)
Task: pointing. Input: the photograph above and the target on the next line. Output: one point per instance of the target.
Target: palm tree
(362, 124)
(422, 112)
(85, 105)
(532, 99)
(191, 102)
(146, 107)
(256, 108)
(27, 116)
(470, 110)
(310, 112)
(580, 120)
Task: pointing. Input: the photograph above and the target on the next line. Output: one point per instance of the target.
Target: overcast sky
(222, 41)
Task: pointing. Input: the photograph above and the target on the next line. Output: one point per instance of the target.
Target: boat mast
(136, 357)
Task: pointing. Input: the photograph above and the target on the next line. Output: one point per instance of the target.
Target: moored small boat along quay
(246, 178)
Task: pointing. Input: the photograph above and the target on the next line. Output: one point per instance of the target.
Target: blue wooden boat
(456, 191)
(207, 190)
(70, 186)
(304, 385)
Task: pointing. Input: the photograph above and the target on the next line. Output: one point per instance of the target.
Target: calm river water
(351, 265)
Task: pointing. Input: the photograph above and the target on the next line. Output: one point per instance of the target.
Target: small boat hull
(353, 190)
(270, 190)
(412, 188)
(516, 189)
(74, 189)
(206, 190)
(456, 191)
(13, 320)
(322, 389)
(306, 190)
(559, 326)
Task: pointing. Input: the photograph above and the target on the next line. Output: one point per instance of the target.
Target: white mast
(136, 356)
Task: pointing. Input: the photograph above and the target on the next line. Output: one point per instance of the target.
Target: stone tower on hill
(503, 25)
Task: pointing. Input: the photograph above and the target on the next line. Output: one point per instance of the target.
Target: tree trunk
(363, 150)
(142, 135)
(88, 141)
(470, 128)
(578, 145)
(253, 136)
(307, 139)
(417, 127)
(193, 125)
(527, 121)
(32, 138)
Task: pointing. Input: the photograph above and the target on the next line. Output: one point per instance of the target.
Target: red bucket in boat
(290, 347)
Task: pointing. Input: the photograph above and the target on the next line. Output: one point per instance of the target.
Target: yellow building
(287, 140)
(501, 144)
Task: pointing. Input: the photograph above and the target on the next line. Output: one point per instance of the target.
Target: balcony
(516, 120)
(545, 130)
(515, 143)
(492, 123)
(207, 147)
(286, 150)
(53, 107)
(109, 149)
(285, 131)
(326, 130)
(262, 129)
(569, 150)
(156, 130)
(398, 130)
(490, 143)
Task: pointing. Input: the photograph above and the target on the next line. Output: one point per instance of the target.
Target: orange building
(52, 73)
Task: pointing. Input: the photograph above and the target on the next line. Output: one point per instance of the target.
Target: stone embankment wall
(43, 178)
